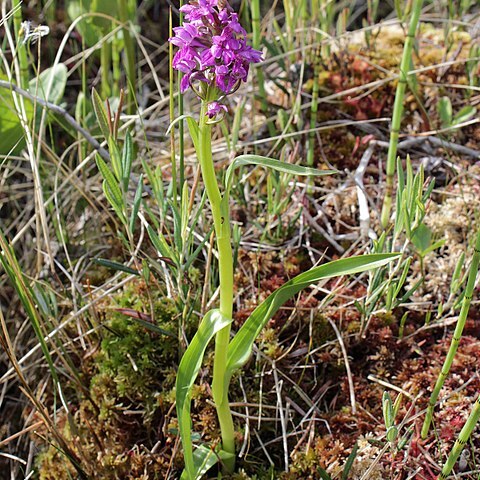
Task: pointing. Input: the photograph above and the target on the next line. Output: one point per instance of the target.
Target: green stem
(398, 111)
(462, 439)
(181, 126)
(173, 157)
(313, 112)
(462, 318)
(221, 220)
(21, 47)
(105, 58)
(129, 55)
(116, 65)
(256, 43)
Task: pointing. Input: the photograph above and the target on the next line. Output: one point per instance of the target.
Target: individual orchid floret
(214, 108)
(213, 47)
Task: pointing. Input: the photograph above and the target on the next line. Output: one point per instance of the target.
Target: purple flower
(214, 108)
(213, 48)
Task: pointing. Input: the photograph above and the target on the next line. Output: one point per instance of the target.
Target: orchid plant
(214, 58)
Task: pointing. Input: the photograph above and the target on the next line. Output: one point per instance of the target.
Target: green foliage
(445, 112)
(188, 369)
(94, 27)
(50, 84)
(131, 356)
(11, 130)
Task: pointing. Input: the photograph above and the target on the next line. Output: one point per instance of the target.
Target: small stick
(347, 366)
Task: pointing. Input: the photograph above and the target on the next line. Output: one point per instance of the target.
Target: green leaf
(145, 321)
(110, 181)
(240, 347)
(136, 204)
(194, 132)
(53, 78)
(444, 108)
(101, 114)
(349, 462)
(204, 459)
(187, 373)
(127, 159)
(116, 159)
(113, 201)
(464, 114)
(11, 130)
(160, 243)
(94, 28)
(115, 266)
(323, 474)
(272, 163)
(422, 238)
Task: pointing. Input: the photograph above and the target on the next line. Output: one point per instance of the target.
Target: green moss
(130, 383)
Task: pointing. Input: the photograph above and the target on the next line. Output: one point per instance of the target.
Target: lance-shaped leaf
(267, 162)
(204, 459)
(188, 369)
(101, 114)
(240, 347)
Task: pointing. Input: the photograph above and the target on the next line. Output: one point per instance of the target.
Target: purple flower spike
(214, 108)
(213, 48)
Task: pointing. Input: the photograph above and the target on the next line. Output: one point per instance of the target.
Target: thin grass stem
(398, 111)
(462, 439)
(129, 55)
(21, 46)
(457, 335)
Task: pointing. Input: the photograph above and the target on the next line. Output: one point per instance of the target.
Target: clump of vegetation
(143, 219)
(120, 426)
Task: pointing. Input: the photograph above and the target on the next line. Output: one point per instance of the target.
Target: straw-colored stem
(398, 111)
(462, 318)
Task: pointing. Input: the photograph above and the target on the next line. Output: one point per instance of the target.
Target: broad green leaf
(187, 373)
(94, 27)
(422, 237)
(101, 114)
(204, 459)
(240, 347)
(53, 79)
(444, 107)
(11, 130)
